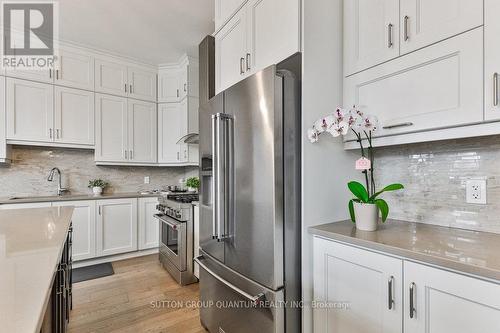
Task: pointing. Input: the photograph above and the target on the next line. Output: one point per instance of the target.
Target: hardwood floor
(124, 301)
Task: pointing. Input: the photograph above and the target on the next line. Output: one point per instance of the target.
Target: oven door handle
(168, 221)
(254, 299)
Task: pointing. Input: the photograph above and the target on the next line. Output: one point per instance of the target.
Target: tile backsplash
(434, 175)
(27, 174)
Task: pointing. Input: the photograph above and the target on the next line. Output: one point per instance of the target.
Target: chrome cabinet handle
(248, 61)
(50, 73)
(57, 74)
(177, 92)
(100, 210)
(178, 156)
(50, 133)
(131, 154)
(413, 310)
(495, 89)
(130, 88)
(390, 290)
(185, 87)
(389, 35)
(254, 299)
(125, 87)
(57, 133)
(398, 125)
(406, 28)
(185, 153)
(242, 66)
(126, 154)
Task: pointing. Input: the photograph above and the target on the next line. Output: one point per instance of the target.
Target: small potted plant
(193, 184)
(365, 207)
(97, 186)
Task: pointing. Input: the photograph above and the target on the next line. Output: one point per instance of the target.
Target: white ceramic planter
(97, 190)
(366, 216)
(191, 189)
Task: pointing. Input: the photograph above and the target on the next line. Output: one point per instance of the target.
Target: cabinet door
(447, 302)
(168, 86)
(424, 22)
(30, 111)
(74, 116)
(183, 82)
(111, 77)
(224, 9)
(3, 145)
(449, 74)
(169, 132)
(272, 38)
(111, 129)
(491, 60)
(183, 126)
(148, 224)
(370, 283)
(230, 52)
(84, 217)
(76, 69)
(142, 129)
(142, 84)
(116, 226)
(371, 33)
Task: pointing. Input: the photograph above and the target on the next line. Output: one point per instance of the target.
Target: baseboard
(112, 258)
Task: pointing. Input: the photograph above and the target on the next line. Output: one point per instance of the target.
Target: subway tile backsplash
(435, 174)
(27, 174)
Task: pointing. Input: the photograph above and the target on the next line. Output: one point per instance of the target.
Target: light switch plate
(146, 180)
(475, 191)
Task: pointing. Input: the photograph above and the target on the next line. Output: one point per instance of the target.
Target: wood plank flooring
(123, 302)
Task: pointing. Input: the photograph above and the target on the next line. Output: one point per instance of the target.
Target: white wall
(326, 167)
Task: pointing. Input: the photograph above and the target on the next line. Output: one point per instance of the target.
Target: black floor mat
(92, 272)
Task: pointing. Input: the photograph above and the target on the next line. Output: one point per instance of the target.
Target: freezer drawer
(235, 304)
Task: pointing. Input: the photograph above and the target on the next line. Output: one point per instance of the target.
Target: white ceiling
(154, 31)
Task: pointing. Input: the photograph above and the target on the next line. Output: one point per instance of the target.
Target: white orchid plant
(340, 123)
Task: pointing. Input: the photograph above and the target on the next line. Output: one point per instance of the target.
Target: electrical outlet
(475, 190)
(146, 180)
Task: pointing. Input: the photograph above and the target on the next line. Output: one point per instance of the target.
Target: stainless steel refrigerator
(250, 204)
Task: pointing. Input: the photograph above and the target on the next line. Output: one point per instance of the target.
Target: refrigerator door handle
(214, 175)
(254, 299)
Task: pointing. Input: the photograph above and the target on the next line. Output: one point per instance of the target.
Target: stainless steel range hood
(191, 138)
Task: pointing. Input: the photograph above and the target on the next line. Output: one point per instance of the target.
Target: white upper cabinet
(3, 142)
(142, 131)
(272, 37)
(168, 86)
(116, 230)
(111, 129)
(142, 84)
(29, 110)
(438, 86)
(230, 52)
(75, 69)
(148, 235)
(260, 34)
(224, 9)
(370, 282)
(371, 33)
(492, 60)
(74, 116)
(445, 302)
(169, 132)
(111, 77)
(424, 22)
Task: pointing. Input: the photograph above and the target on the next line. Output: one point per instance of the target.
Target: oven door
(173, 240)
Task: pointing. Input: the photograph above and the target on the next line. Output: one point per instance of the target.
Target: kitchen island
(32, 243)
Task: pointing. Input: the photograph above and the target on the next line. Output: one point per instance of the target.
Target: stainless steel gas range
(176, 235)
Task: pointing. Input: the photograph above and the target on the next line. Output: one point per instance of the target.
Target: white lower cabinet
(446, 302)
(84, 228)
(428, 299)
(370, 283)
(148, 225)
(3, 141)
(116, 230)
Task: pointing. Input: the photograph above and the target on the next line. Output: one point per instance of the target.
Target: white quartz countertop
(31, 244)
(75, 197)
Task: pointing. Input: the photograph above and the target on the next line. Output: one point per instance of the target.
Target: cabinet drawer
(439, 86)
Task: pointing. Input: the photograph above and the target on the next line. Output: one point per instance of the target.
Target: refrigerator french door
(250, 203)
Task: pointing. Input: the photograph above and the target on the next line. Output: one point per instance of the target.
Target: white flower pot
(191, 189)
(366, 216)
(97, 190)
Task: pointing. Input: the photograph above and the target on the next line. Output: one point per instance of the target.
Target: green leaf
(351, 211)
(392, 187)
(384, 208)
(358, 190)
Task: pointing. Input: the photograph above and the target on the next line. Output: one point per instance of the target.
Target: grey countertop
(471, 252)
(74, 197)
